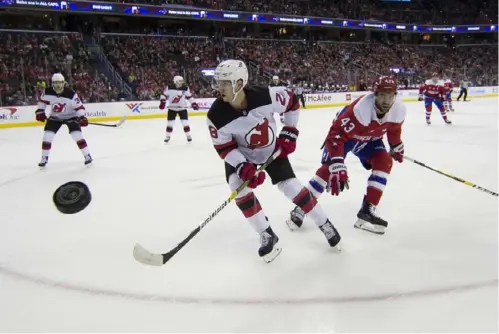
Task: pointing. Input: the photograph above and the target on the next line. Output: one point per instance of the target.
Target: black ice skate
(332, 235)
(447, 121)
(296, 217)
(167, 139)
(43, 162)
(268, 250)
(369, 220)
(189, 138)
(88, 159)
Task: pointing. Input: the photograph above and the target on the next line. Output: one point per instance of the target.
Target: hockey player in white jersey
(179, 99)
(244, 133)
(66, 108)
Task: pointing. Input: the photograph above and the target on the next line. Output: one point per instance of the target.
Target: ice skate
(368, 219)
(88, 160)
(167, 139)
(296, 217)
(43, 162)
(428, 122)
(332, 235)
(189, 138)
(447, 121)
(268, 250)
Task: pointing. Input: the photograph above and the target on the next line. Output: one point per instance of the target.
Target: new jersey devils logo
(58, 107)
(177, 99)
(260, 136)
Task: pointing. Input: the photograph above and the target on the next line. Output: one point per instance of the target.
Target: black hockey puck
(72, 197)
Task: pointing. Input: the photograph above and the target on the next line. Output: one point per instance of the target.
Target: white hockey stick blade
(144, 256)
(121, 121)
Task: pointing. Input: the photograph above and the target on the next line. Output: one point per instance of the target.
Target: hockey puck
(72, 197)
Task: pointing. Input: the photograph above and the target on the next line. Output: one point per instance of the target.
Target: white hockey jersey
(177, 98)
(250, 135)
(64, 106)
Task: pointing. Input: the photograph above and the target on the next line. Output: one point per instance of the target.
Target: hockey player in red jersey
(359, 128)
(433, 91)
(449, 87)
(243, 130)
(66, 109)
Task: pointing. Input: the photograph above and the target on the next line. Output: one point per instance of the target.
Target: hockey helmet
(178, 80)
(386, 84)
(228, 74)
(58, 82)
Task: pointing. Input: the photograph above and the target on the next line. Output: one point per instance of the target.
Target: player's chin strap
(236, 93)
(490, 192)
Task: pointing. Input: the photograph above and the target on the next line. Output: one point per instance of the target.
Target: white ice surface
(435, 270)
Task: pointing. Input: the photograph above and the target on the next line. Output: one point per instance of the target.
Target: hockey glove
(195, 106)
(420, 98)
(246, 171)
(397, 152)
(162, 104)
(40, 115)
(83, 121)
(287, 141)
(338, 179)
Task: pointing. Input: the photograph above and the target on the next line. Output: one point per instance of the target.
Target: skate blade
(367, 226)
(272, 255)
(338, 247)
(292, 225)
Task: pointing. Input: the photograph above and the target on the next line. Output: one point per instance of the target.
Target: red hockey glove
(83, 121)
(195, 106)
(246, 171)
(338, 179)
(397, 152)
(287, 141)
(40, 115)
(162, 104)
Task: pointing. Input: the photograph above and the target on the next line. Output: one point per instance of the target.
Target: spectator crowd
(146, 61)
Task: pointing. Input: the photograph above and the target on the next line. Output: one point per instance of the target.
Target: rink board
(21, 116)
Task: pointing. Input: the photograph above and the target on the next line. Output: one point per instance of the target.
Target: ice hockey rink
(435, 270)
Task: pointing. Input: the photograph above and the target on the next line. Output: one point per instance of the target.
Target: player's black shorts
(279, 170)
(172, 114)
(53, 125)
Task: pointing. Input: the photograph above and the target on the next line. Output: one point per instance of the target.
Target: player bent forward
(243, 131)
(66, 109)
(359, 128)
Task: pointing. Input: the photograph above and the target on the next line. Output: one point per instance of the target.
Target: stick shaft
(468, 183)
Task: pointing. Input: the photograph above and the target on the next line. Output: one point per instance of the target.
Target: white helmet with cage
(230, 72)
(178, 80)
(58, 82)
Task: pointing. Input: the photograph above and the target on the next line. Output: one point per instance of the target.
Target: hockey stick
(121, 121)
(452, 176)
(144, 256)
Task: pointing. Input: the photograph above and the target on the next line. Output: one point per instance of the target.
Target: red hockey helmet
(387, 84)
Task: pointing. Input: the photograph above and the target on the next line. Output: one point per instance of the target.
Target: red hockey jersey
(360, 122)
(432, 89)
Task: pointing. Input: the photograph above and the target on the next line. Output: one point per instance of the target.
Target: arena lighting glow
(217, 15)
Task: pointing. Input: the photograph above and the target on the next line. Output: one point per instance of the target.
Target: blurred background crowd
(112, 58)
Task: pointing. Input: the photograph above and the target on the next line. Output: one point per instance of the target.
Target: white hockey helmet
(58, 82)
(178, 80)
(275, 77)
(230, 72)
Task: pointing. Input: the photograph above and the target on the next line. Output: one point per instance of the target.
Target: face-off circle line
(173, 299)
